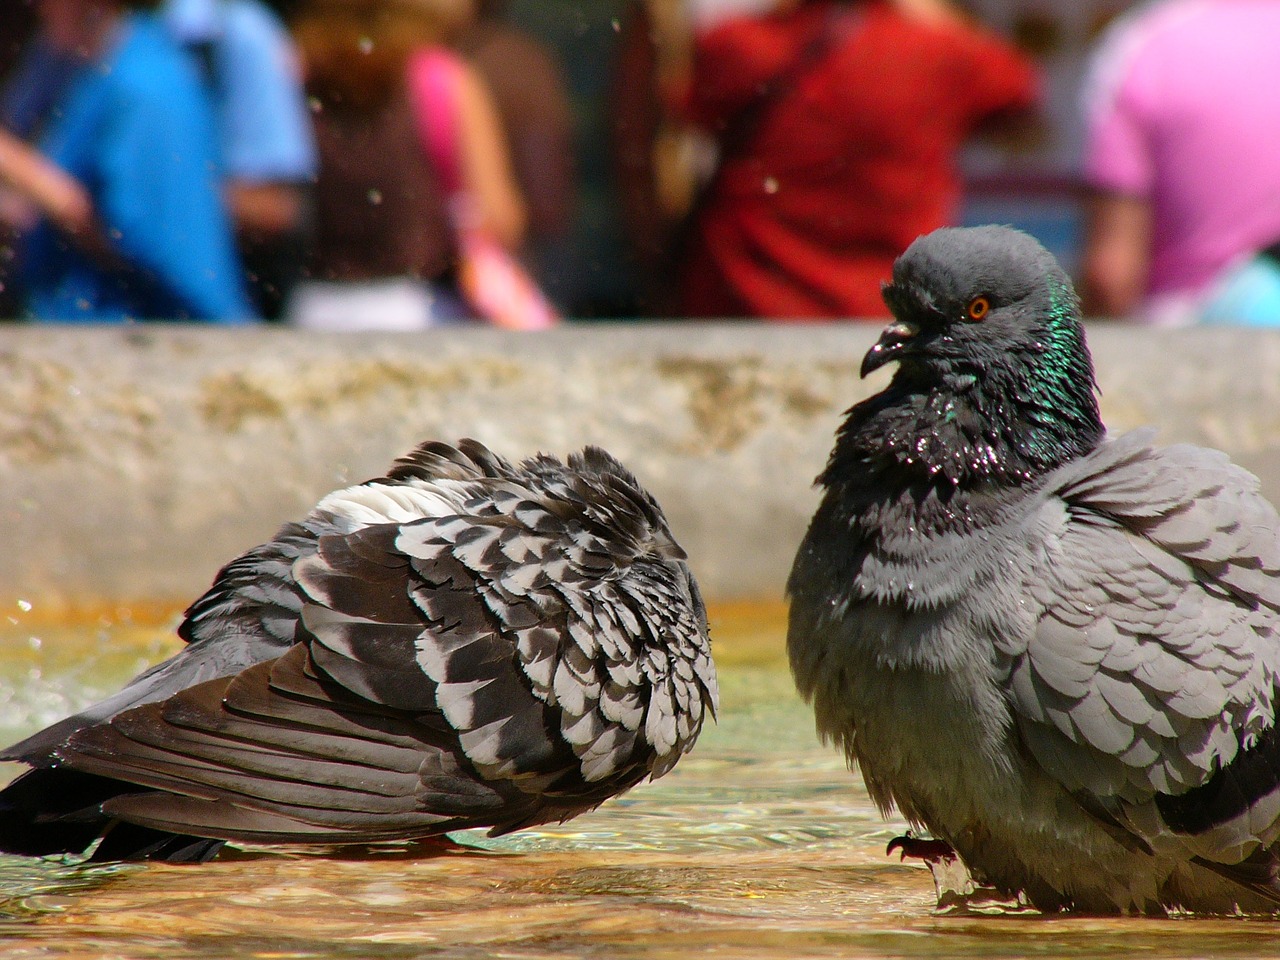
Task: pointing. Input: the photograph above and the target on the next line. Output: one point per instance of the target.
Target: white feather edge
(368, 504)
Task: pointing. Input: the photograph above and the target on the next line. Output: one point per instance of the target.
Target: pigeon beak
(891, 343)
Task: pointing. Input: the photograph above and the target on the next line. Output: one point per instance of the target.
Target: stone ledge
(135, 462)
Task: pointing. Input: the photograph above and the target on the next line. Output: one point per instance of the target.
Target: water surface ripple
(759, 845)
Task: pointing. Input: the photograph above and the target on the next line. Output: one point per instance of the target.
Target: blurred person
(385, 246)
(247, 62)
(118, 200)
(529, 91)
(838, 125)
(656, 158)
(33, 85)
(1182, 158)
(268, 154)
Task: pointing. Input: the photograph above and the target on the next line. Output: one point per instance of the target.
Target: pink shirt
(1183, 108)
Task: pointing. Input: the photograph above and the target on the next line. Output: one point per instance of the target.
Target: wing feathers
(1153, 657)
(463, 642)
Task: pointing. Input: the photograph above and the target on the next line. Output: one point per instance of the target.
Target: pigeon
(1054, 650)
(460, 643)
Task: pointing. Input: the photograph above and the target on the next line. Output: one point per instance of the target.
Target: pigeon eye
(978, 308)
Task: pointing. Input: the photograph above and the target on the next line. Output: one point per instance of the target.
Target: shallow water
(758, 845)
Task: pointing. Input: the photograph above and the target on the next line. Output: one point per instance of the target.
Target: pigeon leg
(955, 888)
(929, 850)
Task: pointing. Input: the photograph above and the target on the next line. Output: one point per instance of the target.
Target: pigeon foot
(929, 850)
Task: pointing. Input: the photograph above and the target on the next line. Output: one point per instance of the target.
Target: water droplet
(375, 197)
(24, 606)
(366, 45)
(35, 643)
(617, 25)
(770, 184)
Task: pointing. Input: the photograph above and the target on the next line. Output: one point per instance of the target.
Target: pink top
(1182, 109)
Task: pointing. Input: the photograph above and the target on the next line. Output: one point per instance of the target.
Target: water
(759, 845)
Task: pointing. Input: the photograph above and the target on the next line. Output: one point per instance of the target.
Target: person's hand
(16, 211)
(67, 204)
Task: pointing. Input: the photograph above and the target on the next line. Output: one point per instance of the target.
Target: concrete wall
(134, 462)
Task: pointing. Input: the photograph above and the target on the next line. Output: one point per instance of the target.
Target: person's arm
(486, 163)
(1116, 254)
(998, 85)
(265, 209)
(269, 150)
(31, 179)
(1119, 168)
(55, 193)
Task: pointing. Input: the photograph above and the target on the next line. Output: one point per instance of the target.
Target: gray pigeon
(461, 643)
(1056, 651)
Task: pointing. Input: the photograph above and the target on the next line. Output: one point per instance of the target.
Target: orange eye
(979, 307)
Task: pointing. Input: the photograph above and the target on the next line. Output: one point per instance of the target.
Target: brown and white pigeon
(1056, 651)
(461, 643)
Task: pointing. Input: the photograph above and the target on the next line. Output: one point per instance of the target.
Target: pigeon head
(971, 301)
(993, 376)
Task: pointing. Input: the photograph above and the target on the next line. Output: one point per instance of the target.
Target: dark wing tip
(436, 460)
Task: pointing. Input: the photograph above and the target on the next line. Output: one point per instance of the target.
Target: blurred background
(602, 204)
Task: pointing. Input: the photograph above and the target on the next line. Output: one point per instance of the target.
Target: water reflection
(759, 845)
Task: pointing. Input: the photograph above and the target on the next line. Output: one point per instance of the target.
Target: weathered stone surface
(134, 462)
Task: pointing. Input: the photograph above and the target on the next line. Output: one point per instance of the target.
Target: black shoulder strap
(742, 126)
(738, 133)
(206, 52)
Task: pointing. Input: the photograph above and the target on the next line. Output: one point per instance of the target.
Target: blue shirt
(264, 127)
(137, 131)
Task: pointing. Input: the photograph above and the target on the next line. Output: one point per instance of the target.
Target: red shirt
(853, 162)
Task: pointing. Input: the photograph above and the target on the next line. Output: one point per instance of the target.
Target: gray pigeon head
(970, 300)
(993, 376)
